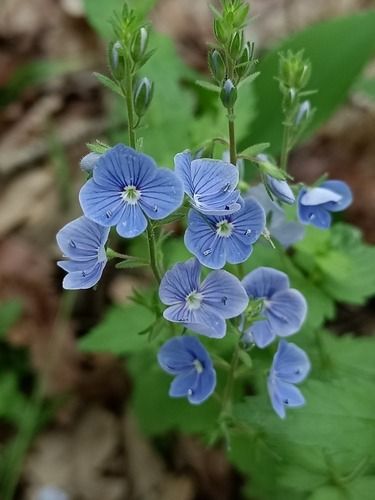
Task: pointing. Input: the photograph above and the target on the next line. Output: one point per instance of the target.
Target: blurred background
(85, 444)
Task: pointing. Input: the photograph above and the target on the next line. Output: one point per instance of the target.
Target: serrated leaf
(118, 333)
(110, 84)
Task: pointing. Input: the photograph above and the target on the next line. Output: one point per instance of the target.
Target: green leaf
(150, 392)
(107, 82)
(10, 312)
(208, 86)
(255, 149)
(119, 331)
(12, 401)
(337, 60)
(132, 263)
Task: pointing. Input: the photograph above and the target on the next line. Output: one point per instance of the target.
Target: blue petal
(236, 250)
(343, 190)
(224, 293)
(287, 232)
(286, 312)
(319, 196)
(179, 281)
(206, 320)
(183, 383)
(218, 204)
(249, 222)
(290, 395)
(122, 166)
(213, 177)
(281, 190)
(290, 363)
(261, 333)
(82, 239)
(81, 280)
(203, 242)
(263, 282)
(182, 162)
(133, 221)
(77, 265)
(174, 357)
(204, 387)
(317, 216)
(161, 195)
(101, 204)
(276, 401)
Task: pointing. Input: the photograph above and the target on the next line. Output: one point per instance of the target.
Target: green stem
(227, 396)
(232, 137)
(152, 250)
(285, 148)
(128, 91)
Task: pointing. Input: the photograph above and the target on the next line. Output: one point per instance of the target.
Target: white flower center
(131, 195)
(224, 228)
(194, 300)
(198, 366)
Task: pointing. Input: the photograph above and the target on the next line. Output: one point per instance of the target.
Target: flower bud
(303, 113)
(116, 60)
(89, 161)
(244, 62)
(219, 31)
(139, 44)
(236, 45)
(294, 71)
(280, 189)
(228, 94)
(217, 65)
(142, 96)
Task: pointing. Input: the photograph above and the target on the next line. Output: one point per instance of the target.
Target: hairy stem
(152, 250)
(232, 137)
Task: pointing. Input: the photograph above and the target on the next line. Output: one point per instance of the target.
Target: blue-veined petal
(183, 383)
(276, 401)
(290, 395)
(133, 221)
(213, 177)
(81, 280)
(182, 162)
(317, 216)
(224, 293)
(179, 281)
(263, 282)
(174, 357)
(286, 312)
(204, 387)
(104, 206)
(291, 363)
(249, 222)
(161, 195)
(261, 333)
(319, 196)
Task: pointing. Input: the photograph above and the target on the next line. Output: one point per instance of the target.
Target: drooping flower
(89, 161)
(316, 204)
(126, 189)
(290, 366)
(210, 184)
(280, 189)
(187, 359)
(286, 232)
(82, 242)
(215, 240)
(202, 307)
(283, 308)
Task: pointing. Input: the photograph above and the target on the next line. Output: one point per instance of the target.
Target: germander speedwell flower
(202, 307)
(210, 184)
(126, 189)
(290, 366)
(187, 359)
(82, 242)
(283, 309)
(316, 204)
(215, 240)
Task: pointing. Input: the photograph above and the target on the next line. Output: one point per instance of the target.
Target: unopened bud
(220, 32)
(139, 44)
(303, 113)
(217, 65)
(236, 45)
(116, 60)
(89, 161)
(143, 93)
(228, 94)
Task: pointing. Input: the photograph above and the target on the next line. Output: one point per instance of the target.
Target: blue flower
(82, 242)
(280, 189)
(215, 240)
(290, 366)
(210, 184)
(286, 232)
(89, 161)
(187, 359)
(315, 204)
(202, 307)
(283, 309)
(126, 189)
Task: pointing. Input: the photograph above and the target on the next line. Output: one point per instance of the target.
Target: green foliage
(119, 332)
(12, 401)
(335, 57)
(9, 313)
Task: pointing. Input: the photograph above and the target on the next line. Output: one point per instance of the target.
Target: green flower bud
(143, 93)
(116, 60)
(228, 94)
(236, 45)
(294, 70)
(217, 65)
(220, 32)
(245, 60)
(139, 44)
